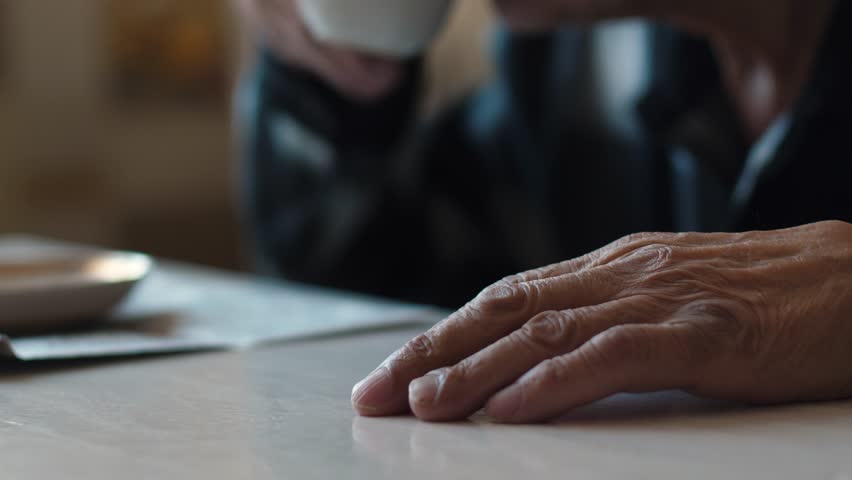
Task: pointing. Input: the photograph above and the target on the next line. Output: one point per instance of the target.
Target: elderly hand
(761, 317)
(279, 24)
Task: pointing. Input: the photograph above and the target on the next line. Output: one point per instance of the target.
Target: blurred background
(115, 119)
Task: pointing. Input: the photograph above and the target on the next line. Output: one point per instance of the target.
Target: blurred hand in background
(278, 24)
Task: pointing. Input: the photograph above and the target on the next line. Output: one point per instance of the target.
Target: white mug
(399, 28)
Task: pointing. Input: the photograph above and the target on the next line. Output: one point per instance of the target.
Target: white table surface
(283, 413)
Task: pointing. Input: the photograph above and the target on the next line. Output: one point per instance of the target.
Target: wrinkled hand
(761, 317)
(280, 26)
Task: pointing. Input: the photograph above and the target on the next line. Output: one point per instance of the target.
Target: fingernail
(505, 404)
(423, 390)
(374, 392)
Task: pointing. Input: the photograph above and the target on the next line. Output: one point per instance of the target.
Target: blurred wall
(460, 60)
(77, 164)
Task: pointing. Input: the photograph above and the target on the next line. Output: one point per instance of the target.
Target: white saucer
(65, 290)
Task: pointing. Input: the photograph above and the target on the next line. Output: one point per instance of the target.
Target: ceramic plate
(65, 291)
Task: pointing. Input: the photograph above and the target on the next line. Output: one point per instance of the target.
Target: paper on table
(186, 308)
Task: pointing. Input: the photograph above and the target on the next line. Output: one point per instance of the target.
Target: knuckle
(531, 275)
(621, 344)
(507, 298)
(662, 268)
(550, 330)
(513, 279)
(656, 256)
(719, 325)
(710, 309)
(637, 245)
(676, 281)
(548, 374)
(421, 347)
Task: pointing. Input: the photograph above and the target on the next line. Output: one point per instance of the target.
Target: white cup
(399, 28)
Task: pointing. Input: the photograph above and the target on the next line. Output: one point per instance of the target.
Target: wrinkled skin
(762, 317)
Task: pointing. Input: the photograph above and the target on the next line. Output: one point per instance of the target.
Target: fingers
(629, 358)
(355, 74)
(459, 391)
(659, 265)
(495, 313)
